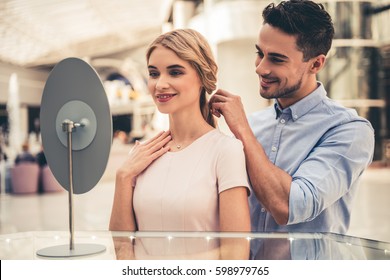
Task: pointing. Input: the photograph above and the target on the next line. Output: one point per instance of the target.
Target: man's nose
(262, 67)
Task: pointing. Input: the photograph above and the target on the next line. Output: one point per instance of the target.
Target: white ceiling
(42, 32)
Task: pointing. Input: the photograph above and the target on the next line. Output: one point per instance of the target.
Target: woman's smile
(164, 97)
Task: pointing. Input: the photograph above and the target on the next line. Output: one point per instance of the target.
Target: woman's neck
(186, 130)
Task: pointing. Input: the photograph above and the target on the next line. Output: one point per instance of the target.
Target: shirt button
(282, 121)
(274, 149)
(262, 210)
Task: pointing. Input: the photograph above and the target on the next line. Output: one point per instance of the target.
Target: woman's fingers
(159, 142)
(153, 148)
(155, 143)
(160, 152)
(161, 135)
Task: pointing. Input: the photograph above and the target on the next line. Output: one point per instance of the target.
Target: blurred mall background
(112, 37)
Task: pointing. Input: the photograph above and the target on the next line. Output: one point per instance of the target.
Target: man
(25, 155)
(306, 153)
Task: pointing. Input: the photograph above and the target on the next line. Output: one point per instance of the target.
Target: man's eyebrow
(278, 55)
(274, 54)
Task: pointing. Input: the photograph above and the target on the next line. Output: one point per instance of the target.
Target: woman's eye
(153, 74)
(175, 72)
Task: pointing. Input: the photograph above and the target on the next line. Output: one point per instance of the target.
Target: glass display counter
(199, 245)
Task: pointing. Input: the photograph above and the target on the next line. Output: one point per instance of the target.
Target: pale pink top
(179, 191)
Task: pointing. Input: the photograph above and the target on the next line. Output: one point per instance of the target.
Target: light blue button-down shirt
(325, 147)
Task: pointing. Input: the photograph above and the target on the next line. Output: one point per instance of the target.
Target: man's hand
(230, 106)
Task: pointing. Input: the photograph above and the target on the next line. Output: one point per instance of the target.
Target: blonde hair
(192, 47)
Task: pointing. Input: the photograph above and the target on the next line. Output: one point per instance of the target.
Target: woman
(192, 177)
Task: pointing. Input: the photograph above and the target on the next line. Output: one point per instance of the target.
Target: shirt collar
(304, 105)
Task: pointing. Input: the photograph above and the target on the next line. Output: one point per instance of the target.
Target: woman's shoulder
(226, 141)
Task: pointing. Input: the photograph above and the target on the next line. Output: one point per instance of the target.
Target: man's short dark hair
(307, 20)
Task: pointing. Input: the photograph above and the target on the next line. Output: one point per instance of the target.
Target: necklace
(178, 146)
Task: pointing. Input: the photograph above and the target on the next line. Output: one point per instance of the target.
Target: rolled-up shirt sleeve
(328, 172)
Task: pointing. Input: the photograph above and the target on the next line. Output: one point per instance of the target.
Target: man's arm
(270, 183)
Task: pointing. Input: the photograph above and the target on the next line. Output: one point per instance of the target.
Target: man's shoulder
(345, 114)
